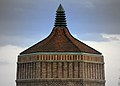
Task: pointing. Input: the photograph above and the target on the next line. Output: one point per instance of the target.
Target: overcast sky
(25, 22)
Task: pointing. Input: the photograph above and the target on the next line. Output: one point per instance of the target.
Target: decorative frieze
(60, 57)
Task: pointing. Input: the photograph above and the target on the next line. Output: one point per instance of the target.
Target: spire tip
(60, 8)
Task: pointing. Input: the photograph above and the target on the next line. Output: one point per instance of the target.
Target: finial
(60, 8)
(60, 19)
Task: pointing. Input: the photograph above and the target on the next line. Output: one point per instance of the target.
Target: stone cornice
(60, 53)
(62, 61)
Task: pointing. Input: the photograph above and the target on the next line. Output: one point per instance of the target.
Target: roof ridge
(83, 44)
(70, 39)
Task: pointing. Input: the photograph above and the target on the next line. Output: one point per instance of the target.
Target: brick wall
(62, 66)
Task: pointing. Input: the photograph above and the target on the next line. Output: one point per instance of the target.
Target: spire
(60, 19)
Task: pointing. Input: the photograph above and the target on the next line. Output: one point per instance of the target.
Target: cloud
(15, 40)
(95, 37)
(8, 59)
(110, 51)
(21, 20)
(9, 53)
(17, 16)
(2, 62)
(90, 37)
(111, 37)
(84, 3)
(104, 17)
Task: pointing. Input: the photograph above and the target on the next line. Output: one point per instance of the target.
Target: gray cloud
(114, 38)
(22, 17)
(102, 17)
(19, 40)
(90, 37)
(101, 13)
(8, 58)
(111, 37)
(110, 50)
(4, 63)
(26, 17)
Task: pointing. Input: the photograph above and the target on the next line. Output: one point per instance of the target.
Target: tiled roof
(60, 40)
